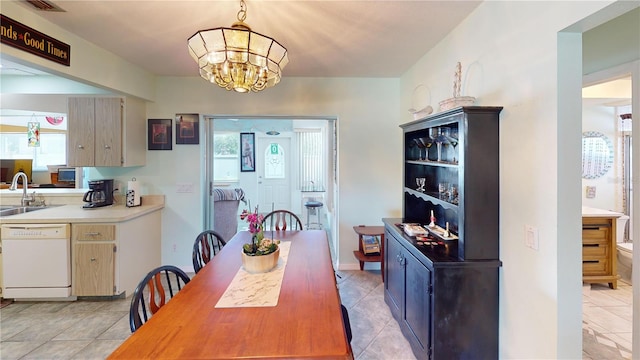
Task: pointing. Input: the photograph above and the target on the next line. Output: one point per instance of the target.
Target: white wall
(369, 142)
(510, 57)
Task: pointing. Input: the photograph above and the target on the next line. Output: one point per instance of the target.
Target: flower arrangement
(259, 244)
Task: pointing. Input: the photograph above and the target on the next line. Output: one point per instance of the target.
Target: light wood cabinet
(106, 131)
(599, 263)
(96, 262)
(94, 251)
(111, 258)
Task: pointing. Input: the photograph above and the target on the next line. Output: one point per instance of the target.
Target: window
(274, 162)
(226, 160)
(52, 149)
(311, 150)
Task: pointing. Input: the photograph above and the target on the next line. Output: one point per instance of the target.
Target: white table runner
(256, 290)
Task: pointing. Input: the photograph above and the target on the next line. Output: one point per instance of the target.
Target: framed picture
(248, 152)
(159, 135)
(187, 129)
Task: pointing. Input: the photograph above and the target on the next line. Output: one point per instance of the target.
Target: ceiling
(616, 92)
(369, 38)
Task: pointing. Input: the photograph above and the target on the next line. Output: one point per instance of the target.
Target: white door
(273, 166)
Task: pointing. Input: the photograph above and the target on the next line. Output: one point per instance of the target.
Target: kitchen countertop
(75, 213)
(594, 212)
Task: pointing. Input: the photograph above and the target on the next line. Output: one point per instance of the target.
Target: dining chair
(281, 220)
(157, 287)
(346, 322)
(208, 243)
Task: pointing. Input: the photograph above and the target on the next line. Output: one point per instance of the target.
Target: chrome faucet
(26, 199)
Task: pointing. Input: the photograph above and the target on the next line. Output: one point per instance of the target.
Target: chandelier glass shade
(237, 58)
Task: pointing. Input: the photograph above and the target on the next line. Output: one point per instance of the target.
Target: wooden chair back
(157, 287)
(281, 220)
(208, 243)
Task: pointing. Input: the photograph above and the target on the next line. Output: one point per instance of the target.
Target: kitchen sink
(15, 210)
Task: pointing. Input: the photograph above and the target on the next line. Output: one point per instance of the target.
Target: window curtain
(311, 157)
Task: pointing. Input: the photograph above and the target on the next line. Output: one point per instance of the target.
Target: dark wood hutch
(442, 288)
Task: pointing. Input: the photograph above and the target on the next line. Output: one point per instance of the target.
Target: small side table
(359, 254)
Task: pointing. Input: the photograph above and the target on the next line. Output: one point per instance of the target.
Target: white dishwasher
(36, 261)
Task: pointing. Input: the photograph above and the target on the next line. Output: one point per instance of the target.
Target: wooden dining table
(306, 322)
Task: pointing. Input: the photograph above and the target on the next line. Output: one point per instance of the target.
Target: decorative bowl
(261, 263)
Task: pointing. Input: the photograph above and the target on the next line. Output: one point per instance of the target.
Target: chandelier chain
(242, 14)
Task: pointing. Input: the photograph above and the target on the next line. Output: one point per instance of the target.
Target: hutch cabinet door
(81, 131)
(394, 277)
(418, 301)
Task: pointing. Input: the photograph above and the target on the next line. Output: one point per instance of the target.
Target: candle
(433, 220)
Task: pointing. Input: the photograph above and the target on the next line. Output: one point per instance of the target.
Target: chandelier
(238, 58)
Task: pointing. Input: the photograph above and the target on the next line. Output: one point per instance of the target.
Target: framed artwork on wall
(248, 152)
(159, 134)
(187, 129)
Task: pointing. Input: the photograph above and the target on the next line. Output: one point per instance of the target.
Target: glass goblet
(453, 140)
(441, 140)
(421, 146)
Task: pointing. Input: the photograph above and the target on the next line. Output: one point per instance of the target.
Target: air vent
(43, 5)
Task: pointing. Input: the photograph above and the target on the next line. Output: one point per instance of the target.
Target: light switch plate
(531, 237)
(184, 187)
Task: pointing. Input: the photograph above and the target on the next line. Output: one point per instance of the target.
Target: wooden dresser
(599, 250)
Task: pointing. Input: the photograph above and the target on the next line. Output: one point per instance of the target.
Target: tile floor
(607, 315)
(93, 329)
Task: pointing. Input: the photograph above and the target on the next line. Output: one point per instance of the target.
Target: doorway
(282, 160)
(273, 168)
(607, 111)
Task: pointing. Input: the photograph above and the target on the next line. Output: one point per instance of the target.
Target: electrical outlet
(174, 248)
(531, 237)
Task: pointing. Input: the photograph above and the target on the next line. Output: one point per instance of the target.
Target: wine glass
(453, 140)
(426, 144)
(442, 139)
(421, 182)
(421, 146)
(433, 134)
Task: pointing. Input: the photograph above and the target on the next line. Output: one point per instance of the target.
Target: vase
(260, 263)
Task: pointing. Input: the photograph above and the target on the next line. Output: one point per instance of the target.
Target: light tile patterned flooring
(93, 329)
(608, 314)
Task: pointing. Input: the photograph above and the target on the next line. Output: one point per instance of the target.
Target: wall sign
(32, 41)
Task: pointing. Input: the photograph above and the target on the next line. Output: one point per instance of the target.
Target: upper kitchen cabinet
(106, 131)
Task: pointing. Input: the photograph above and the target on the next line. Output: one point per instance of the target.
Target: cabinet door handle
(590, 245)
(93, 259)
(96, 233)
(107, 147)
(80, 147)
(592, 227)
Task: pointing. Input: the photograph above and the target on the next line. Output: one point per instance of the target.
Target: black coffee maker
(100, 194)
